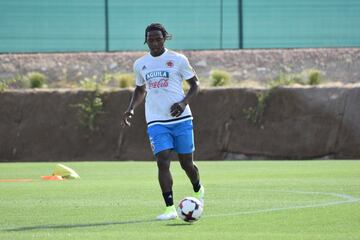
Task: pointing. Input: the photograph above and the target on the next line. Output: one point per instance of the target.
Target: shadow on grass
(178, 224)
(85, 225)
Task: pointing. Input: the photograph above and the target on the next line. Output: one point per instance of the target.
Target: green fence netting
(118, 25)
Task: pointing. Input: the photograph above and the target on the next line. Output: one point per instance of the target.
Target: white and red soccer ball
(190, 209)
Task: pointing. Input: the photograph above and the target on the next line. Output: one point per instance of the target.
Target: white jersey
(163, 76)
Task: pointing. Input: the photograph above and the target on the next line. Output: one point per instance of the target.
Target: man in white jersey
(159, 76)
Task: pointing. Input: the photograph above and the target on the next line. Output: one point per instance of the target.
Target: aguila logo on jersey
(156, 74)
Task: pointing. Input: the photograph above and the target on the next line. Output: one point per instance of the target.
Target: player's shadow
(178, 224)
(39, 227)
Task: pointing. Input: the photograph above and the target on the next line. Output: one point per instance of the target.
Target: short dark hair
(157, 27)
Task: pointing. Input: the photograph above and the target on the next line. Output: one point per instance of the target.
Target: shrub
(286, 79)
(315, 77)
(3, 85)
(255, 114)
(124, 80)
(36, 80)
(15, 82)
(309, 76)
(89, 83)
(92, 106)
(90, 109)
(219, 78)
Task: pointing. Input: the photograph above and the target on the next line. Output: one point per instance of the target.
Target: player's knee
(187, 165)
(163, 161)
(163, 164)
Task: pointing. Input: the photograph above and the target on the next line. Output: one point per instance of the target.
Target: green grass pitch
(286, 200)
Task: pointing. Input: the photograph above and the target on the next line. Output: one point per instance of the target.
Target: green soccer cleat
(200, 194)
(169, 214)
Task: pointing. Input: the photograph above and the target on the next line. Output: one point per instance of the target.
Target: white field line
(345, 199)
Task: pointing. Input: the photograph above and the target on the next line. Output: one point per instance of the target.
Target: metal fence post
(106, 25)
(241, 25)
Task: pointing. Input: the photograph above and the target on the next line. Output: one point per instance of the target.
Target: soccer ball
(190, 209)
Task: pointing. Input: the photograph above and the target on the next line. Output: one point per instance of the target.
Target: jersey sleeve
(139, 80)
(186, 70)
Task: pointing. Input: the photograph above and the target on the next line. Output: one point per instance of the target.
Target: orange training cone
(52, 178)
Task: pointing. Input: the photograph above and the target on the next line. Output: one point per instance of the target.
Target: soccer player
(159, 77)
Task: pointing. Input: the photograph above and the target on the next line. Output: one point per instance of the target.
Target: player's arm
(178, 108)
(137, 98)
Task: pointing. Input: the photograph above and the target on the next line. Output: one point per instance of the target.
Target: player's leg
(164, 176)
(162, 143)
(192, 171)
(187, 164)
(166, 183)
(184, 146)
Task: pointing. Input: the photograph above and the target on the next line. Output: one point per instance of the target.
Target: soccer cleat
(169, 214)
(200, 194)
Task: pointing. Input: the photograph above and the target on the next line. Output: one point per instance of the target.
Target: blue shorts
(176, 136)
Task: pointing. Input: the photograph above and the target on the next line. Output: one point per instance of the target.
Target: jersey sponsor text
(156, 74)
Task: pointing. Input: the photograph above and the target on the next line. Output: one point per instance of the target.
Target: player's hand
(126, 118)
(177, 109)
